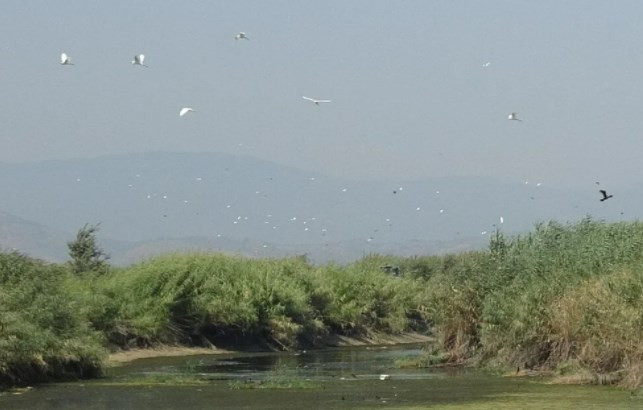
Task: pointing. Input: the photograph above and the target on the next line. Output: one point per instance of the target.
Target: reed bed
(562, 297)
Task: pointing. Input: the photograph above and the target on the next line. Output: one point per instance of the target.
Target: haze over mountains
(157, 202)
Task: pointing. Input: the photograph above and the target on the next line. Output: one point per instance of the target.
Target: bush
(561, 294)
(42, 334)
(205, 297)
(84, 252)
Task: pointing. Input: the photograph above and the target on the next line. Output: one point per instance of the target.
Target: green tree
(86, 255)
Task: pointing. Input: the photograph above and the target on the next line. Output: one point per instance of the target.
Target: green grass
(43, 335)
(280, 377)
(194, 298)
(559, 293)
(560, 297)
(155, 379)
(432, 356)
(190, 299)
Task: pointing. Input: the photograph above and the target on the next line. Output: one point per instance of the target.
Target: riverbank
(378, 339)
(126, 356)
(332, 378)
(194, 300)
(373, 339)
(563, 298)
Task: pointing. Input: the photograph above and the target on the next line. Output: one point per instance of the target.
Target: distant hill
(154, 202)
(42, 242)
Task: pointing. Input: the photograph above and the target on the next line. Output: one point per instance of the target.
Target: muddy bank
(373, 338)
(376, 338)
(125, 356)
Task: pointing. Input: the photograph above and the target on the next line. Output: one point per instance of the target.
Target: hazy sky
(411, 98)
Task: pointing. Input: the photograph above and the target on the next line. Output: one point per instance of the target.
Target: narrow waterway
(321, 379)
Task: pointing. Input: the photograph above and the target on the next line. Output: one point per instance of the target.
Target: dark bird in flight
(605, 196)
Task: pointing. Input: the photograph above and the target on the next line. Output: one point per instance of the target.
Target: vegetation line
(563, 298)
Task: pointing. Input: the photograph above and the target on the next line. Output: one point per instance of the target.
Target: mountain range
(150, 203)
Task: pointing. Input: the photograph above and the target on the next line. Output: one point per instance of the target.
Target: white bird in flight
(513, 116)
(65, 60)
(241, 36)
(139, 60)
(185, 110)
(315, 101)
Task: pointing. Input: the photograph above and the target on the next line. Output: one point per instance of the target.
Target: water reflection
(343, 378)
(323, 364)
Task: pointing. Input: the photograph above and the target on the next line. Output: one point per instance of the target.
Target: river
(337, 378)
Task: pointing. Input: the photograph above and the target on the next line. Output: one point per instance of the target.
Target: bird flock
(139, 60)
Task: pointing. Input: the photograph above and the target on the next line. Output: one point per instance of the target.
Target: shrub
(42, 333)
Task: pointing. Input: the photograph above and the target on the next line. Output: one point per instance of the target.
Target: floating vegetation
(280, 377)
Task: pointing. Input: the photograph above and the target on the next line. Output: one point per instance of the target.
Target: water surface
(333, 379)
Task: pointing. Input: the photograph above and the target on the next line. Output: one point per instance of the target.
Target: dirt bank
(161, 351)
(374, 338)
(125, 356)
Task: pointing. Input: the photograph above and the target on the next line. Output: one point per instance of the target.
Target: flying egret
(139, 60)
(513, 116)
(605, 196)
(65, 60)
(241, 36)
(487, 64)
(185, 110)
(315, 101)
